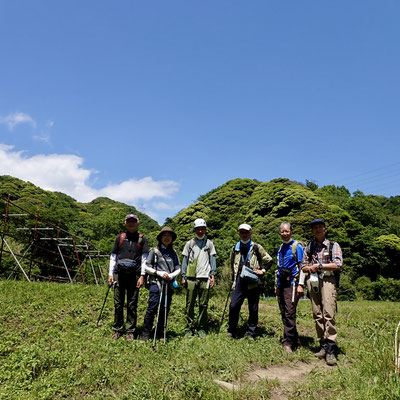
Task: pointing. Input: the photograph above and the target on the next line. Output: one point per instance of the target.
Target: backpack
(149, 279)
(294, 247)
(122, 237)
(310, 251)
(287, 273)
(127, 269)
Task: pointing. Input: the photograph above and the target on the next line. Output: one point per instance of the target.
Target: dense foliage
(366, 226)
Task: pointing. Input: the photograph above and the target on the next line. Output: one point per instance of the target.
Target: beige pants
(323, 307)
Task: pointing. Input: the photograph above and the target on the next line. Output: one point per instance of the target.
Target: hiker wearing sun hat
(126, 273)
(249, 263)
(162, 266)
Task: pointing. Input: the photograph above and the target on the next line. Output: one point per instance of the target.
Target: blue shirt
(285, 259)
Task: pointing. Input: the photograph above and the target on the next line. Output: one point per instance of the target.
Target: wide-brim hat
(166, 229)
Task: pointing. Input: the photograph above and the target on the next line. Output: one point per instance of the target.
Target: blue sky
(155, 103)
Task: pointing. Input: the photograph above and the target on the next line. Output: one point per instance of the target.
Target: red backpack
(123, 237)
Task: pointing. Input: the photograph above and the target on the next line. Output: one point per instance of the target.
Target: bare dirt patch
(286, 376)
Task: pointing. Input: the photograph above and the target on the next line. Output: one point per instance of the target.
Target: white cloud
(44, 137)
(162, 205)
(64, 173)
(14, 119)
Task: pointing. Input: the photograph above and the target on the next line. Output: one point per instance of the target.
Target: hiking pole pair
(226, 303)
(101, 311)
(164, 288)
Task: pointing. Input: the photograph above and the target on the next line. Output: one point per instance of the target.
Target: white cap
(199, 222)
(245, 227)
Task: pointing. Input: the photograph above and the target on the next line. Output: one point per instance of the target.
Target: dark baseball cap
(317, 221)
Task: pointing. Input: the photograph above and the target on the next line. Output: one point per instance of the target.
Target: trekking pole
(158, 316)
(101, 311)
(293, 292)
(226, 303)
(165, 312)
(397, 351)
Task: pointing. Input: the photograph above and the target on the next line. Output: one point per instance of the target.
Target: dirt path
(286, 375)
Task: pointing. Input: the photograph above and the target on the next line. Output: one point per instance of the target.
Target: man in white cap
(198, 271)
(126, 272)
(249, 263)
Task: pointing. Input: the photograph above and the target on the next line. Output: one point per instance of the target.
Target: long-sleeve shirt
(163, 260)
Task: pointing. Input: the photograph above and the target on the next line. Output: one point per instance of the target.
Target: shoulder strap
(122, 237)
(257, 253)
(294, 247)
(277, 258)
(157, 254)
(140, 241)
(331, 250)
(310, 250)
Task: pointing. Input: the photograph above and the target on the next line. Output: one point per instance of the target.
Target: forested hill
(101, 219)
(366, 226)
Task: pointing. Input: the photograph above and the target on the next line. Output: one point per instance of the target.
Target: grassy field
(50, 348)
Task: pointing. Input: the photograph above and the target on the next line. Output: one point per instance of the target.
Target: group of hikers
(317, 265)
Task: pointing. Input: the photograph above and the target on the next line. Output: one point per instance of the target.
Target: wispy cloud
(44, 137)
(17, 118)
(162, 205)
(65, 173)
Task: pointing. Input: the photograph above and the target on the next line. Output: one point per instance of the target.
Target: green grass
(50, 348)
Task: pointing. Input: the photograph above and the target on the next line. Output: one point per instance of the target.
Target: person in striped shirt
(322, 262)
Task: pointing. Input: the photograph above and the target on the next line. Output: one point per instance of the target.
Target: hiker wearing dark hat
(322, 263)
(126, 272)
(287, 289)
(198, 270)
(162, 266)
(249, 263)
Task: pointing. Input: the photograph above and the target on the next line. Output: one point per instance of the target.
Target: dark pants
(197, 288)
(288, 313)
(126, 283)
(152, 309)
(241, 292)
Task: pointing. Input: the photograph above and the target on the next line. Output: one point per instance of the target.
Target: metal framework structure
(65, 256)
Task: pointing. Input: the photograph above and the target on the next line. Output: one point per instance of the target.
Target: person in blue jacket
(287, 289)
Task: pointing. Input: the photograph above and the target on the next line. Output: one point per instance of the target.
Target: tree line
(366, 226)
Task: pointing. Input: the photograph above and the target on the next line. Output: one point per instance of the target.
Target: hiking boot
(129, 337)
(202, 333)
(321, 353)
(331, 359)
(287, 348)
(144, 339)
(116, 335)
(188, 333)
